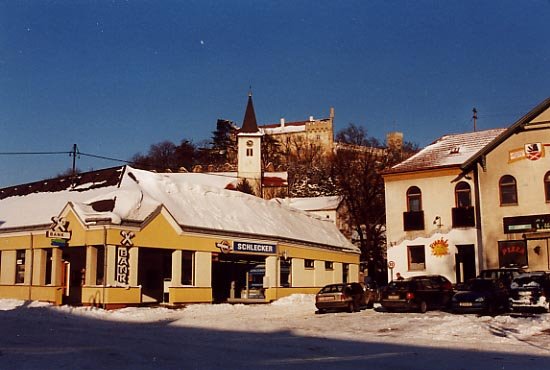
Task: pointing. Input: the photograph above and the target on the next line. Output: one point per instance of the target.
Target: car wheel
(423, 307)
(320, 311)
(351, 307)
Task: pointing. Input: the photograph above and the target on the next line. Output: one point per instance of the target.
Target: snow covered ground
(286, 334)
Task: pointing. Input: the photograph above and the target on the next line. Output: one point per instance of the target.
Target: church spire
(249, 123)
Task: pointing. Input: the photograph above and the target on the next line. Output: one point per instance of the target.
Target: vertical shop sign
(122, 257)
(122, 265)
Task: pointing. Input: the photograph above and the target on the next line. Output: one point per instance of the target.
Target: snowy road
(283, 335)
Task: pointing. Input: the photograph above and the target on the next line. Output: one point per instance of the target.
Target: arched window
(547, 186)
(463, 195)
(414, 199)
(508, 190)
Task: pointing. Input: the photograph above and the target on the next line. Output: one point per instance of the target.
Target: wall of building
(161, 234)
(529, 175)
(438, 200)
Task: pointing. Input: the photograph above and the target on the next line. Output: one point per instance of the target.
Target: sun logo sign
(440, 247)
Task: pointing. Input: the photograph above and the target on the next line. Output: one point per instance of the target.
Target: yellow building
(123, 236)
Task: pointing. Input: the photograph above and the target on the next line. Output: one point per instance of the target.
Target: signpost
(391, 265)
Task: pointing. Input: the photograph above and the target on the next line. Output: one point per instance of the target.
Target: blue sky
(115, 77)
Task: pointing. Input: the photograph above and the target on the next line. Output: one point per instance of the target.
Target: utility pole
(73, 154)
(475, 118)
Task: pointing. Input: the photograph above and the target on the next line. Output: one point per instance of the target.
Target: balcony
(413, 220)
(464, 217)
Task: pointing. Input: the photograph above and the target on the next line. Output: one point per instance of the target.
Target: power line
(33, 153)
(103, 157)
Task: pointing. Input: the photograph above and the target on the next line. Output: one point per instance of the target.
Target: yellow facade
(118, 265)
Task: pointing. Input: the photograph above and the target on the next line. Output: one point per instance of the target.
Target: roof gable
(447, 151)
(538, 117)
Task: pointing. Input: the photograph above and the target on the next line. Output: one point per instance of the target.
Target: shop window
(309, 264)
(329, 265)
(547, 186)
(345, 272)
(512, 252)
(20, 266)
(285, 266)
(508, 190)
(417, 257)
(463, 195)
(100, 266)
(187, 259)
(48, 277)
(414, 199)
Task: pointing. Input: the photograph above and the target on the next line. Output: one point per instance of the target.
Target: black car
(503, 274)
(345, 296)
(530, 291)
(418, 293)
(481, 296)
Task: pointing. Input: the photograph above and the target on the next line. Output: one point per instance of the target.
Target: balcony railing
(413, 220)
(464, 217)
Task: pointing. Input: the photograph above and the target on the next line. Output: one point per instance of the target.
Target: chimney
(282, 122)
(331, 115)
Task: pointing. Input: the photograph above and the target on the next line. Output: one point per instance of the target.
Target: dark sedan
(481, 296)
(418, 293)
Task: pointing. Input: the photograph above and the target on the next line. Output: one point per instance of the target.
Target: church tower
(249, 142)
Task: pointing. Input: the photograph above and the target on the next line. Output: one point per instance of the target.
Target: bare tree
(356, 169)
(166, 155)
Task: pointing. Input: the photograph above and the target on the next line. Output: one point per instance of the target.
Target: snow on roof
(186, 196)
(324, 203)
(447, 151)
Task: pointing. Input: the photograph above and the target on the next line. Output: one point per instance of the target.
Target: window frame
(507, 186)
(329, 265)
(412, 265)
(547, 186)
(309, 264)
(412, 197)
(187, 274)
(461, 189)
(20, 254)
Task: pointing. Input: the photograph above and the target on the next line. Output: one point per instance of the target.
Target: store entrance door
(74, 272)
(229, 277)
(155, 267)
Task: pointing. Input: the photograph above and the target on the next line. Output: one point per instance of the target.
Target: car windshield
(527, 281)
(332, 289)
(480, 285)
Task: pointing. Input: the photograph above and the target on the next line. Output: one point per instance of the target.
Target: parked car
(481, 295)
(418, 293)
(372, 293)
(345, 296)
(503, 274)
(530, 291)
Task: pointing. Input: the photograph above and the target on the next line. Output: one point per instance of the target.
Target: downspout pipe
(479, 233)
(104, 266)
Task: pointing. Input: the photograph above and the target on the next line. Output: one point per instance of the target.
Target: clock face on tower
(249, 143)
